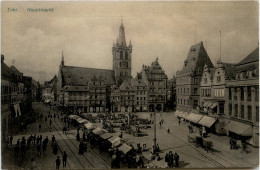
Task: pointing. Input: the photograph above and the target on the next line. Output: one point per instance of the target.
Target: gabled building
(16, 97)
(188, 79)
(212, 96)
(83, 89)
(156, 80)
(242, 100)
(141, 94)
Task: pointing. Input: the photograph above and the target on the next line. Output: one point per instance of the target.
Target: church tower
(122, 57)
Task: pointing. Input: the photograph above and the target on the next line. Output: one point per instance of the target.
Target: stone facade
(156, 80)
(188, 79)
(242, 100)
(16, 97)
(122, 57)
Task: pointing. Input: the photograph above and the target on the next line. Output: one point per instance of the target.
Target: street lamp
(154, 139)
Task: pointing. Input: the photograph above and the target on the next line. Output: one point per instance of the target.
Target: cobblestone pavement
(176, 141)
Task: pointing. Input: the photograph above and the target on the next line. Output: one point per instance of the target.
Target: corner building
(242, 100)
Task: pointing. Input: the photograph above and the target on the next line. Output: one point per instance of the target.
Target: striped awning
(240, 128)
(207, 121)
(73, 116)
(193, 117)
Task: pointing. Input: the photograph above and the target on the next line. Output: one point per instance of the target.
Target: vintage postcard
(129, 84)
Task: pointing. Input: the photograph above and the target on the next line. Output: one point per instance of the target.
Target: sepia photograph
(129, 84)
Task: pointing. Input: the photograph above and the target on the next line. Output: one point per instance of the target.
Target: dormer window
(193, 49)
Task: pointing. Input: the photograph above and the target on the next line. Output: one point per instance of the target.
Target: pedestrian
(18, 143)
(84, 137)
(50, 122)
(11, 140)
(144, 145)
(78, 137)
(170, 160)
(34, 139)
(16, 150)
(55, 148)
(231, 143)
(40, 126)
(176, 157)
(179, 121)
(44, 146)
(39, 149)
(168, 130)
(80, 148)
(121, 135)
(40, 138)
(52, 139)
(64, 159)
(58, 162)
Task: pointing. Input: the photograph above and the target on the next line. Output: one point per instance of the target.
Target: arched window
(126, 64)
(126, 55)
(120, 65)
(121, 54)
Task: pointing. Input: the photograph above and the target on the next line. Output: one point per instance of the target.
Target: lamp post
(154, 139)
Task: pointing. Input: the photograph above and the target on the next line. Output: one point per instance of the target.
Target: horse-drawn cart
(201, 142)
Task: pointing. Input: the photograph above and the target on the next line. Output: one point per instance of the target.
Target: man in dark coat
(58, 163)
(176, 157)
(64, 159)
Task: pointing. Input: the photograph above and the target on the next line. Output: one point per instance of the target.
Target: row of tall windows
(220, 92)
(122, 55)
(242, 111)
(183, 91)
(123, 74)
(121, 65)
(183, 102)
(206, 92)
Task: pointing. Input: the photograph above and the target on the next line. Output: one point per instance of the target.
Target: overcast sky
(85, 31)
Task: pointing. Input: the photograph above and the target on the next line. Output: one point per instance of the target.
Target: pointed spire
(62, 59)
(157, 59)
(130, 43)
(121, 37)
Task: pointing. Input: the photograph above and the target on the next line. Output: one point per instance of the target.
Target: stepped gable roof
(137, 82)
(126, 85)
(81, 75)
(252, 57)
(197, 57)
(155, 69)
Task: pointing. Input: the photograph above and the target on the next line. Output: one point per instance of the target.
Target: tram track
(107, 165)
(222, 157)
(94, 153)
